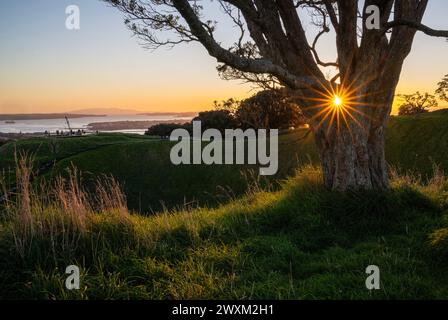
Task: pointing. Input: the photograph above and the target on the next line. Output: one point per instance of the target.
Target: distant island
(128, 125)
(108, 111)
(119, 111)
(41, 116)
(170, 114)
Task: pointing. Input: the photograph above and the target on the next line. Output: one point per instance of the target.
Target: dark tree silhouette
(348, 113)
(163, 130)
(442, 90)
(269, 109)
(216, 119)
(416, 103)
(230, 105)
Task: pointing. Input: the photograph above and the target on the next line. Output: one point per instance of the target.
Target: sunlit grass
(300, 242)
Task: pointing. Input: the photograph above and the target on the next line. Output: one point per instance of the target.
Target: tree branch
(235, 61)
(315, 53)
(416, 25)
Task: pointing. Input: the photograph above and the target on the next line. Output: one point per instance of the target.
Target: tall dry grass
(435, 186)
(60, 211)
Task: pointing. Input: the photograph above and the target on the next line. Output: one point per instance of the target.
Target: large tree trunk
(351, 140)
(353, 159)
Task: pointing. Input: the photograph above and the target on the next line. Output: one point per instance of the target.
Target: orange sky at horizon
(180, 101)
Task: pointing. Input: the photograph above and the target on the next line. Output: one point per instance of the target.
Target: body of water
(51, 125)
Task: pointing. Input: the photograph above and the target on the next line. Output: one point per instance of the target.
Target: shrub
(269, 109)
(416, 103)
(217, 119)
(163, 130)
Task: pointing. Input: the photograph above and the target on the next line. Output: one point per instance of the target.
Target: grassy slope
(150, 181)
(297, 242)
(415, 143)
(143, 167)
(300, 242)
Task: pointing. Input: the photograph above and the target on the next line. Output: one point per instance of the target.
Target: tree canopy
(269, 109)
(442, 90)
(416, 103)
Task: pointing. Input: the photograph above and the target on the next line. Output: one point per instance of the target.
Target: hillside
(143, 167)
(293, 240)
(300, 242)
(151, 182)
(416, 142)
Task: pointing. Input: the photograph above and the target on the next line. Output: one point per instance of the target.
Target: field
(143, 167)
(285, 238)
(141, 164)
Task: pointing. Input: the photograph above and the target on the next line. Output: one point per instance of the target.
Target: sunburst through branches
(339, 107)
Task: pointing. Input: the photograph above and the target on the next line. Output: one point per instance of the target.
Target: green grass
(143, 167)
(64, 147)
(415, 143)
(300, 242)
(151, 182)
(294, 241)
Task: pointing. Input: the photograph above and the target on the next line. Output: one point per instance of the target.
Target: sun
(339, 106)
(337, 101)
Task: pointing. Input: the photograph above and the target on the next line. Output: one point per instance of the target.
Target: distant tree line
(267, 109)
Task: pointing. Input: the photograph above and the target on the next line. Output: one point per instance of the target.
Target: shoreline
(109, 127)
(129, 124)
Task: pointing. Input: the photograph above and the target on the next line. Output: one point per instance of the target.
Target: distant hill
(173, 114)
(107, 111)
(39, 116)
(119, 111)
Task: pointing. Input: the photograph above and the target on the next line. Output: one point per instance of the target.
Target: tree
(216, 119)
(269, 109)
(163, 130)
(348, 113)
(230, 105)
(416, 103)
(442, 90)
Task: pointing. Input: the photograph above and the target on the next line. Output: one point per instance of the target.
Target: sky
(45, 67)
